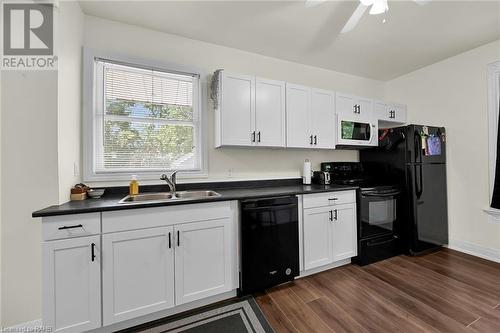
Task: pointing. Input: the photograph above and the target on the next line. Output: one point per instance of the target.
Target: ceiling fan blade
(354, 19)
(313, 3)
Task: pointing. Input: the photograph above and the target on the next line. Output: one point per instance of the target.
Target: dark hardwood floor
(447, 291)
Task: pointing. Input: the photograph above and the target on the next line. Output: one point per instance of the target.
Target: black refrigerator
(414, 156)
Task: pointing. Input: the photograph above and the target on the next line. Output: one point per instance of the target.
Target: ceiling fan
(377, 7)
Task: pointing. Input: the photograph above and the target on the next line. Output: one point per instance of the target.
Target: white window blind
(145, 119)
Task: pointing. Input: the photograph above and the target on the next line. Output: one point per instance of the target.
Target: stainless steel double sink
(167, 197)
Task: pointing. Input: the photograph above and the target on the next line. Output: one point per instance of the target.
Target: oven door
(378, 212)
(356, 132)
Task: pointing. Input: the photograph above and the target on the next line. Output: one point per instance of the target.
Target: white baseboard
(475, 250)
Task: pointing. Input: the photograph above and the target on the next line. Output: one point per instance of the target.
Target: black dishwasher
(269, 243)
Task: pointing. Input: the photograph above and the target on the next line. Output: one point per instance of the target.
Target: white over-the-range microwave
(352, 131)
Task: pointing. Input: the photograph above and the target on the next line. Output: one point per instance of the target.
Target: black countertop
(240, 190)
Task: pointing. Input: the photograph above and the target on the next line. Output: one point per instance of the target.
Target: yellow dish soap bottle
(134, 186)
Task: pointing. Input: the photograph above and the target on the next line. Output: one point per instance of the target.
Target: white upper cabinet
(236, 111)
(298, 110)
(72, 284)
(354, 107)
(323, 118)
(269, 113)
(310, 117)
(390, 113)
(250, 111)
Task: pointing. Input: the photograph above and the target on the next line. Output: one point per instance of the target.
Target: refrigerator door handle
(419, 184)
(418, 148)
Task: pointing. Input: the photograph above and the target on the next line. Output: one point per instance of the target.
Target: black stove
(378, 205)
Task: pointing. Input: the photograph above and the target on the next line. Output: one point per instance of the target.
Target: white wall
(32, 115)
(453, 93)
(69, 96)
(29, 180)
(245, 163)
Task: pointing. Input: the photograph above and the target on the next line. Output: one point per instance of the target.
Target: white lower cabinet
(344, 232)
(329, 231)
(202, 260)
(72, 284)
(137, 273)
(317, 237)
(146, 260)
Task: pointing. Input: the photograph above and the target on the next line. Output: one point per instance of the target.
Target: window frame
(493, 118)
(90, 95)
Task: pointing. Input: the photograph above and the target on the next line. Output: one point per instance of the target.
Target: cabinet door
(298, 110)
(365, 108)
(323, 118)
(399, 113)
(138, 273)
(270, 112)
(72, 284)
(344, 104)
(382, 111)
(344, 232)
(237, 109)
(317, 237)
(203, 260)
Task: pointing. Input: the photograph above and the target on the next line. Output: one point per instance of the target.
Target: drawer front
(69, 226)
(132, 219)
(329, 199)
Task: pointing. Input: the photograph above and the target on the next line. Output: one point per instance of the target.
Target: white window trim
(89, 95)
(493, 117)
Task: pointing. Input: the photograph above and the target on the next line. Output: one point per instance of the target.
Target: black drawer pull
(93, 256)
(169, 240)
(70, 227)
(333, 199)
(178, 238)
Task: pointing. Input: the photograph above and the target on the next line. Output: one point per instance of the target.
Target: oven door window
(355, 131)
(378, 215)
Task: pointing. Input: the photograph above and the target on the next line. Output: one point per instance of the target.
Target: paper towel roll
(306, 173)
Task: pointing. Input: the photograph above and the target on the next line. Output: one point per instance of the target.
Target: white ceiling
(413, 36)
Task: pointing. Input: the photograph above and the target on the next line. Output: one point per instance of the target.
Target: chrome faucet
(171, 182)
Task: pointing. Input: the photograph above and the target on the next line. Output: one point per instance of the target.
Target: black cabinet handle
(315, 139)
(333, 199)
(311, 140)
(70, 227)
(253, 136)
(169, 240)
(92, 250)
(178, 238)
(336, 217)
(331, 215)
(355, 108)
(258, 137)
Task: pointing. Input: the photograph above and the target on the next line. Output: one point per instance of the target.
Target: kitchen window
(144, 120)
